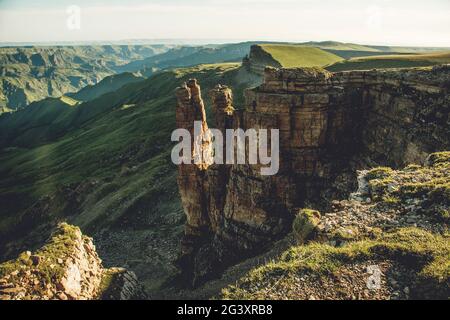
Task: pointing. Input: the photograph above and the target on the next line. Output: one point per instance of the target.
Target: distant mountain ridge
(336, 56)
(28, 74)
(186, 56)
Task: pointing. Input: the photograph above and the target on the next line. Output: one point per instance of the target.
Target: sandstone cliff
(66, 268)
(330, 126)
(258, 60)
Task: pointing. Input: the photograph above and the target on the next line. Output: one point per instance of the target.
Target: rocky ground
(66, 268)
(413, 197)
(390, 240)
(348, 283)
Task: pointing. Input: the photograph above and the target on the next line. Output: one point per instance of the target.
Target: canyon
(331, 125)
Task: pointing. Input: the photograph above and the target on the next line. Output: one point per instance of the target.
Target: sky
(382, 22)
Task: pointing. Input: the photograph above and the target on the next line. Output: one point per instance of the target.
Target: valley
(29, 74)
(129, 202)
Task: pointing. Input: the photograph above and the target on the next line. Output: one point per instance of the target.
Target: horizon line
(200, 41)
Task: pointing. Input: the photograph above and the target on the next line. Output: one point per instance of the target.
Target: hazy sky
(392, 22)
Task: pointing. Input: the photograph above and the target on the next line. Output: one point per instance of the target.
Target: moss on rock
(379, 173)
(305, 223)
(428, 185)
(66, 267)
(51, 256)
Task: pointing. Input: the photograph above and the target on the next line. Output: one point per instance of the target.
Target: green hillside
(108, 84)
(343, 46)
(391, 61)
(336, 56)
(290, 56)
(331, 52)
(105, 166)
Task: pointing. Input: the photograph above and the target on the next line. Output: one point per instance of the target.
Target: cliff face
(330, 126)
(258, 59)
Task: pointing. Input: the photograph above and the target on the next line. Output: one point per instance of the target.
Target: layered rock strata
(330, 125)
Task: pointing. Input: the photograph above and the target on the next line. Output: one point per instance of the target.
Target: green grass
(111, 284)
(290, 56)
(438, 158)
(334, 45)
(391, 61)
(305, 223)
(62, 244)
(430, 182)
(108, 285)
(418, 250)
(70, 101)
(379, 173)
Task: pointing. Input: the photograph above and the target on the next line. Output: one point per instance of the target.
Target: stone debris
(389, 207)
(348, 283)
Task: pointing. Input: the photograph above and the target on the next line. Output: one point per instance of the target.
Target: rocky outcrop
(258, 60)
(330, 126)
(66, 268)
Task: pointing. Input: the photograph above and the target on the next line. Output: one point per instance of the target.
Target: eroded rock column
(191, 176)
